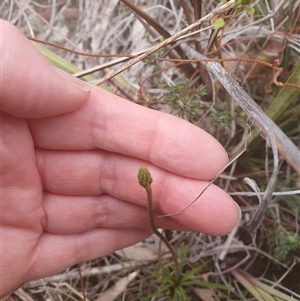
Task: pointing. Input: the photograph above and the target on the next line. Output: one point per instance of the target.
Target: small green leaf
(249, 10)
(238, 4)
(218, 23)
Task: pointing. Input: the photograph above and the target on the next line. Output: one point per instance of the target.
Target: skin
(70, 154)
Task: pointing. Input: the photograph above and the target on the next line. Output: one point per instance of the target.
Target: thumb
(30, 87)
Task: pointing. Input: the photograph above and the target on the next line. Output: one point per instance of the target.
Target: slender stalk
(145, 180)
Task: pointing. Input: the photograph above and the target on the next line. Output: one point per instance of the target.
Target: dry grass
(109, 27)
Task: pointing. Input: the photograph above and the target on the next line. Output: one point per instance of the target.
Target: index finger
(111, 123)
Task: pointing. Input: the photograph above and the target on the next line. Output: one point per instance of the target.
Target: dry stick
(125, 57)
(145, 180)
(73, 274)
(121, 58)
(81, 282)
(217, 11)
(274, 135)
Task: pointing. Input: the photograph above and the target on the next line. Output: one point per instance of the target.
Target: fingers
(73, 214)
(30, 86)
(91, 173)
(55, 253)
(114, 124)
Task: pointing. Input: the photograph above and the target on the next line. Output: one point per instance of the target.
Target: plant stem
(145, 181)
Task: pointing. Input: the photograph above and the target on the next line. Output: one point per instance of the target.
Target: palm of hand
(46, 226)
(22, 211)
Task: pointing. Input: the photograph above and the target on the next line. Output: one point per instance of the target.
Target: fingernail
(80, 84)
(239, 213)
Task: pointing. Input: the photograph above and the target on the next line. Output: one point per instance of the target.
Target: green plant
(145, 180)
(222, 116)
(185, 97)
(171, 284)
(188, 278)
(282, 242)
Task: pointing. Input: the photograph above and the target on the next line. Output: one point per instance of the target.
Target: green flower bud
(144, 177)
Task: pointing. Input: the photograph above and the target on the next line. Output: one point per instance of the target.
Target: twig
(223, 8)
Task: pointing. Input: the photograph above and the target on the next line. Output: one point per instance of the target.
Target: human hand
(69, 167)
